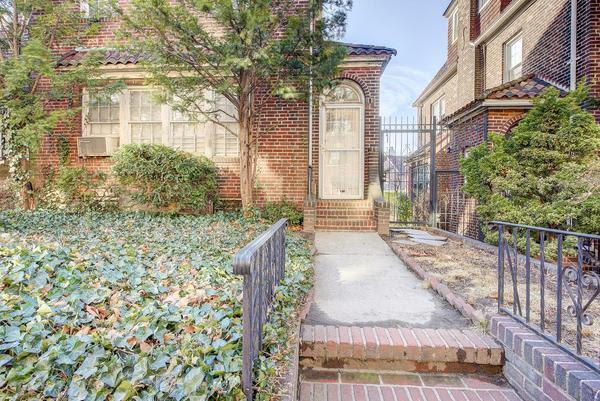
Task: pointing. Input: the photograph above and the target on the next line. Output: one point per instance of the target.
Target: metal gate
(407, 169)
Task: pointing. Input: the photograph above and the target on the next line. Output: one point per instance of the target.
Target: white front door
(341, 155)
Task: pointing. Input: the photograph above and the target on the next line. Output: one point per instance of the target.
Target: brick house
(340, 149)
(501, 54)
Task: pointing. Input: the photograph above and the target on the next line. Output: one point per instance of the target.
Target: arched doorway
(341, 166)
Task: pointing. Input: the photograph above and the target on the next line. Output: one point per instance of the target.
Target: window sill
(225, 159)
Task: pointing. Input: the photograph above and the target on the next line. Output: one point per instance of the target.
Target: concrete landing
(361, 282)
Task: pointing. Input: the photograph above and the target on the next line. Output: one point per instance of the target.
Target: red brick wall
(282, 144)
(489, 13)
(588, 44)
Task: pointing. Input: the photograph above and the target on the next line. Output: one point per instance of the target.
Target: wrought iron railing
(262, 263)
(546, 264)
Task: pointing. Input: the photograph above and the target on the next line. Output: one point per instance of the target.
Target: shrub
(163, 178)
(284, 209)
(77, 189)
(545, 173)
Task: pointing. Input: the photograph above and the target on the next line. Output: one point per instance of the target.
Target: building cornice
(507, 16)
(449, 8)
(439, 82)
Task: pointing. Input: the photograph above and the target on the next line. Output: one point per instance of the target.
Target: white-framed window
(96, 9)
(102, 115)
(483, 3)
(134, 116)
(513, 58)
(145, 123)
(454, 26)
(438, 109)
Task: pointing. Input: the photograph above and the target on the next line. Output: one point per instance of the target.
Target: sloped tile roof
(116, 57)
(524, 88)
(110, 57)
(368, 50)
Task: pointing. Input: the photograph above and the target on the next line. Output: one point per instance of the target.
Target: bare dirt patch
(471, 273)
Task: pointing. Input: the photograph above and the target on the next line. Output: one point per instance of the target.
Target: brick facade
(545, 28)
(283, 126)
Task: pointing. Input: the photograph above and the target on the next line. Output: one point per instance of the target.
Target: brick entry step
(397, 364)
(345, 215)
(399, 349)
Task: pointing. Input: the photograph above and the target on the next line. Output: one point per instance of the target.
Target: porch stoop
(346, 215)
(399, 364)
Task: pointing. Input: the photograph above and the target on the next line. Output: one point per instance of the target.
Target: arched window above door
(345, 93)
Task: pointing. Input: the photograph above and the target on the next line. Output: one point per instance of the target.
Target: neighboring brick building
(343, 189)
(501, 54)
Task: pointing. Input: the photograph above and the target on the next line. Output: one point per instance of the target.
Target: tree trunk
(246, 167)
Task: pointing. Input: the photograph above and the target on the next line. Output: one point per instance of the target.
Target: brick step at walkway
(399, 349)
(345, 215)
(328, 385)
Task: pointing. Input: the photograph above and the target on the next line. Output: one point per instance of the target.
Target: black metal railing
(262, 263)
(546, 264)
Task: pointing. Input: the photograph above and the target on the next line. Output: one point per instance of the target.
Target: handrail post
(500, 266)
(262, 264)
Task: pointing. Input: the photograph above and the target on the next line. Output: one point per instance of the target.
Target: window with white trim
(454, 26)
(145, 118)
(135, 117)
(438, 109)
(226, 134)
(513, 58)
(102, 115)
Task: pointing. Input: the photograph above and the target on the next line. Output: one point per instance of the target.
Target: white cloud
(400, 86)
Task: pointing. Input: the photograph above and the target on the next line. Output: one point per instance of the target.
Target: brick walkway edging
(538, 369)
(458, 302)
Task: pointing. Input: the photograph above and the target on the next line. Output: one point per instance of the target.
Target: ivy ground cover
(133, 307)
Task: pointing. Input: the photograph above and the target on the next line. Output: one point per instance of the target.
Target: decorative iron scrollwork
(590, 281)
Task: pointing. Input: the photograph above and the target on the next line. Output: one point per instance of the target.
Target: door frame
(323, 106)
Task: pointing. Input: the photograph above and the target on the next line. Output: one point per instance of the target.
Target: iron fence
(563, 265)
(262, 263)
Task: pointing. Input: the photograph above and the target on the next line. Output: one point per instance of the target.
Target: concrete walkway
(361, 282)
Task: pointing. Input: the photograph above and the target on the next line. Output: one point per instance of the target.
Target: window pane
(103, 115)
(516, 52)
(226, 143)
(343, 94)
(343, 128)
(189, 137)
(145, 118)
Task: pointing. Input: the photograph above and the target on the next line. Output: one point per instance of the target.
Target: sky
(417, 30)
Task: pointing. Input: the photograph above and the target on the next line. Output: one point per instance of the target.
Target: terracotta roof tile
(526, 87)
(115, 57)
(109, 57)
(368, 50)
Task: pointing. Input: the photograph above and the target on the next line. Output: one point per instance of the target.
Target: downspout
(310, 114)
(573, 62)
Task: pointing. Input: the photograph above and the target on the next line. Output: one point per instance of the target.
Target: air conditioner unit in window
(97, 145)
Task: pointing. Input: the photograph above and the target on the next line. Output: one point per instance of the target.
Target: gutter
(509, 13)
(490, 104)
